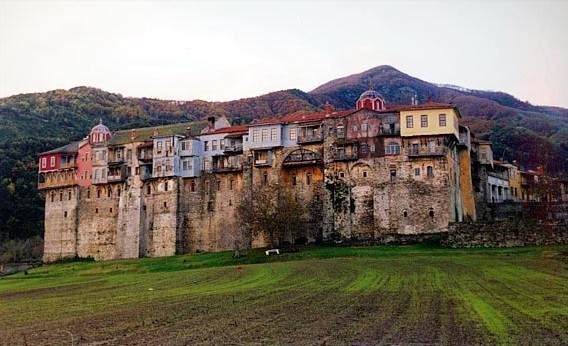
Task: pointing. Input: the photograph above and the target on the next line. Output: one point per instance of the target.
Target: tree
(271, 211)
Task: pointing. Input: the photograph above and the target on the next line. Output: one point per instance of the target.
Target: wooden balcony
(423, 152)
(345, 157)
(307, 138)
(233, 149)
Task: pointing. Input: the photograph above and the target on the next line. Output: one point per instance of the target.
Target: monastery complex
(373, 170)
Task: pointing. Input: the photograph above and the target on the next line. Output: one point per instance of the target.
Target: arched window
(429, 171)
(431, 212)
(392, 148)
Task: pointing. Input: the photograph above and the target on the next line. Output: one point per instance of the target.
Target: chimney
(132, 134)
(415, 100)
(156, 131)
(327, 107)
(188, 131)
(211, 121)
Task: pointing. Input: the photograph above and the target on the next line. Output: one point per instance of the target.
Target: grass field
(382, 295)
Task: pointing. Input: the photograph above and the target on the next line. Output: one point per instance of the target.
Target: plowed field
(333, 296)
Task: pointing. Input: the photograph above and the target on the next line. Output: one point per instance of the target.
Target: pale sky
(226, 50)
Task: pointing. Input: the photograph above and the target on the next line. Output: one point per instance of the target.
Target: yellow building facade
(425, 122)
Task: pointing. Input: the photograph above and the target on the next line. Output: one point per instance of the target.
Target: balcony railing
(115, 160)
(224, 169)
(345, 157)
(68, 165)
(229, 149)
(437, 151)
(310, 138)
(262, 162)
(499, 175)
(389, 131)
(55, 184)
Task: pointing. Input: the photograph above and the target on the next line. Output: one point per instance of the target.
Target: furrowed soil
(319, 296)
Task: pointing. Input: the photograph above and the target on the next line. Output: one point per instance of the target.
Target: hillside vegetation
(337, 296)
(33, 123)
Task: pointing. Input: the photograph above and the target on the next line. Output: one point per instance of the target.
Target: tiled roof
(269, 121)
(480, 141)
(232, 129)
(146, 133)
(68, 148)
(314, 116)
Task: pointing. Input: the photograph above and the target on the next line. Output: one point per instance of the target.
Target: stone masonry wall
(60, 238)
(506, 234)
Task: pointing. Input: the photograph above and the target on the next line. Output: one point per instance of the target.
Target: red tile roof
(232, 129)
(292, 118)
(268, 121)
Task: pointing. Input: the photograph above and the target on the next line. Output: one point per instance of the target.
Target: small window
(118, 192)
(255, 135)
(431, 212)
(365, 174)
(96, 210)
(52, 161)
(293, 134)
(165, 204)
(231, 183)
(192, 186)
(206, 145)
(69, 193)
(364, 127)
(393, 175)
(230, 202)
(417, 171)
(148, 189)
(409, 121)
(218, 185)
(405, 213)
(432, 146)
(88, 194)
(294, 181)
(342, 174)
(442, 120)
(372, 148)
(265, 178)
(424, 121)
(43, 162)
(110, 210)
(392, 148)
(264, 135)
(354, 128)
(273, 134)
(308, 178)
(65, 214)
(109, 192)
(429, 171)
(209, 206)
(214, 145)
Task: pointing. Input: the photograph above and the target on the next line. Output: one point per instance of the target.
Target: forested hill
(33, 123)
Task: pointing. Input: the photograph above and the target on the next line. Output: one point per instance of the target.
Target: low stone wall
(506, 234)
(392, 239)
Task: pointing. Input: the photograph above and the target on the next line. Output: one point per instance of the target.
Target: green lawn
(379, 295)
